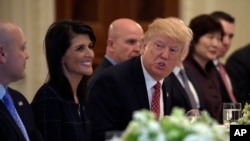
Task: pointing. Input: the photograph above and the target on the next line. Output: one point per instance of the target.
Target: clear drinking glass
(192, 115)
(231, 113)
(109, 135)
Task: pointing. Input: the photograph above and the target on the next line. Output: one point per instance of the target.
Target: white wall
(34, 17)
(239, 9)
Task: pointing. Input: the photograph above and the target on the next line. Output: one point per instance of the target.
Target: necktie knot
(8, 100)
(183, 75)
(221, 68)
(157, 86)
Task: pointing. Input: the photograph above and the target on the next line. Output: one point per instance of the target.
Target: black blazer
(238, 69)
(116, 94)
(99, 69)
(58, 117)
(9, 131)
(179, 95)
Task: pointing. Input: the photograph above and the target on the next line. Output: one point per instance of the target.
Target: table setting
(181, 126)
(176, 127)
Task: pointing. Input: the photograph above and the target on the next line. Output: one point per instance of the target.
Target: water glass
(231, 113)
(192, 115)
(109, 135)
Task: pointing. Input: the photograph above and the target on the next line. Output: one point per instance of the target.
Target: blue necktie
(7, 100)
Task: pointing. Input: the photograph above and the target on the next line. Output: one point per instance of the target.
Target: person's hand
(192, 115)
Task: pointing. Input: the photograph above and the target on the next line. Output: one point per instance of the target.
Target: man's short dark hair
(222, 15)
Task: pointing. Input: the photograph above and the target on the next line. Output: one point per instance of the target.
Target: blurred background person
(238, 68)
(124, 36)
(228, 25)
(185, 93)
(204, 48)
(59, 104)
(16, 117)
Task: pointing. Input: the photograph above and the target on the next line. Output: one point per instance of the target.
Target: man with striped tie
(16, 119)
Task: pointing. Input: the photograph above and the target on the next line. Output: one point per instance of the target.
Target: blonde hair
(172, 27)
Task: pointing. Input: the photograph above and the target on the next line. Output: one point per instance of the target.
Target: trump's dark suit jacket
(116, 94)
(9, 131)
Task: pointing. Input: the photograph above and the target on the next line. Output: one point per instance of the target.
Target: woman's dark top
(209, 85)
(58, 117)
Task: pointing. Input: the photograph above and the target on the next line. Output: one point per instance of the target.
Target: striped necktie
(7, 100)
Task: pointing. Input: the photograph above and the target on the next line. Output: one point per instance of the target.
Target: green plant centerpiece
(245, 119)
(176, 127)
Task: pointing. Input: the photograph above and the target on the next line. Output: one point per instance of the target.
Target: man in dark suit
(184, 95)
(123, 40)
(238, 68)
(12, 64)
(180, 95)
(228, 24)
(129, 86)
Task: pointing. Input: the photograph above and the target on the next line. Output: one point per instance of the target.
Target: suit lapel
(6, 115)
(166, 97)
(195, 83)
(180, 88)
(141, 89)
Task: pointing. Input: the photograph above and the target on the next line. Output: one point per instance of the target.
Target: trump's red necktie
(155, 104)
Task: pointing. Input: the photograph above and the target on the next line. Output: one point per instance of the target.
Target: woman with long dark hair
(59, 105)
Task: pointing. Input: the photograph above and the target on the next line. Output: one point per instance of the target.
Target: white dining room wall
(35, 16)
(239, 9)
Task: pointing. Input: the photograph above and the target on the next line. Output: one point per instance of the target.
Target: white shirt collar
(215, 61)
(150, 81)
(177, 69)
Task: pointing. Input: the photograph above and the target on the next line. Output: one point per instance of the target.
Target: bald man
(13, 58)
(124, 36)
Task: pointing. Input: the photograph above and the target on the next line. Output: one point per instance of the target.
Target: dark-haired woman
(204, 47)
(58, 105)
